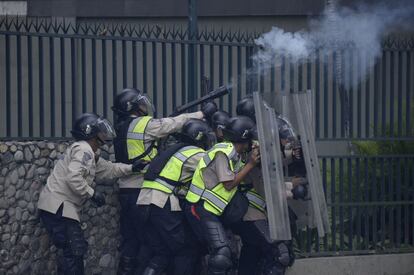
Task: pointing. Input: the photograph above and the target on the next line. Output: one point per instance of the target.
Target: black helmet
(285, 129)
(196, 132)
(130, 100)
(219, 119)
(239, 129)
(245, 107)
(90, 125)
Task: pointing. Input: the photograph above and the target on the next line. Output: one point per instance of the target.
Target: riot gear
(126, 101)
(195, 132)
(245, 107)
(219, 120)
(239, 129)
(90, 125)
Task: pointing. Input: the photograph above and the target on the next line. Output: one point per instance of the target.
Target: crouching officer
(213, 189)
(171, 240)
(71, 183)
(259, 251)
(218, 122)
(137, 135)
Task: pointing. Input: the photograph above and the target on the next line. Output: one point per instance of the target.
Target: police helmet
(245, 107)
(239, 129)
(196, 132)
(90, 125)
(219, 119)
(131, 99)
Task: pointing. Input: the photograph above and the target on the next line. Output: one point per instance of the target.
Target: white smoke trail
(360, 29)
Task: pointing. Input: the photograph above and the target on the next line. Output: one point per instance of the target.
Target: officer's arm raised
(162, 127)
(239, 177)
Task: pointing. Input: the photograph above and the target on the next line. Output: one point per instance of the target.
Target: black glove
(98, 198)
(138, 165)
(208, 109)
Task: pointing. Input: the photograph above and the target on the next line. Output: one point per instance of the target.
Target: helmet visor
(106, 131)
(145, 104)
(285, 129)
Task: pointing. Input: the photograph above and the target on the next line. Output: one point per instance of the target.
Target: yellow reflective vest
(135, 139)
(216, 199)
(170, 175)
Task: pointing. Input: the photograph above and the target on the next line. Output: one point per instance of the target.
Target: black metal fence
(51, 70)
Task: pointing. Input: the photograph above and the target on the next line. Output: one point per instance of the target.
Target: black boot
(126, 265)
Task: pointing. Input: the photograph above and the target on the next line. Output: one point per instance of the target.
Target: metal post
(192, 51)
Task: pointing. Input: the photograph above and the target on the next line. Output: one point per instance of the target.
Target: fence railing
(52, 70)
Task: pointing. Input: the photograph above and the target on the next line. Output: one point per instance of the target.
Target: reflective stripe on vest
(173, 170)
(256, 200)
(136, 142)
(216, 199)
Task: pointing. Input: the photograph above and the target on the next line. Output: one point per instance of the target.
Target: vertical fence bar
(144, 67)
(19, 85)
(104, 79)
(359, 98)
(325, 188)
(398, 197)
(382, 195)
(30, 82)
(350, 208)
(334, 91)
(317, 96)
(400, 96)
(341, 201)
(408, 96)
(406, 197)
(94, 93)
(393, 62)
(366, 209)
(173, 76)
(377, 72)
(390, 198)
(52, 86)
(239, 72)
(384, 95)
(374, 198)
(221, 72)
(202, 65)
(154, 74)
(41, 90)
(212, 65)
(73, 78)
(325, 96)
(368, 100)
(134, 65)
(164, 79)
(183, 74)
(8, 82)
(333, 200)
(83, 70)
(359, 200)
(230, 75)
(124, 65)
(62, 86)
(114, 73)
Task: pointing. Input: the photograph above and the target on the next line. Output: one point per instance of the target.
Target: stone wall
(24, 244)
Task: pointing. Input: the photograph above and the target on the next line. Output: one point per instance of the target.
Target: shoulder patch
(86, 158)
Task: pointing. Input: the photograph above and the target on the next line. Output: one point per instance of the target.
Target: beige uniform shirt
(72, 180)
(218, 170)
(156, 129)
(159, 198)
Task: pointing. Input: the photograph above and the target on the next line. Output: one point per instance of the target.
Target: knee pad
(220, 260)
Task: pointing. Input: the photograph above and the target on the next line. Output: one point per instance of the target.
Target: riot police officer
(71, 183)
(213, 191)
(137, 135)
(166, 181)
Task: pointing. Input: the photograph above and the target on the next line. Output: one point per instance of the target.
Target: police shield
(297, 109)
(272, 170)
